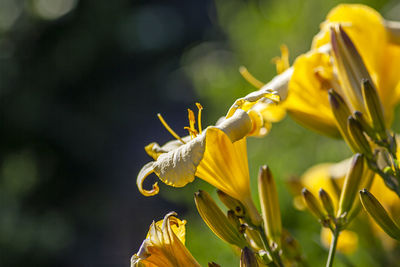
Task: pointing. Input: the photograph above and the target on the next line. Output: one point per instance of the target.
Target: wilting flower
(164, 245)
(218, 155)
(315, 72)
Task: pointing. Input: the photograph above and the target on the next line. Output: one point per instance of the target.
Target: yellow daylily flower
(218, 155)
(314, 72)
(164, 245)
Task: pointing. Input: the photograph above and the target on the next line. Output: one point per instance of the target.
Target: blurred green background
(81, 83)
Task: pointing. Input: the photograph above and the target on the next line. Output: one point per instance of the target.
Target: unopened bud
(365, 125)
(213, 264)
(356, 133)
(231, 203)
(327, 202)
(351, 68)
(341, 112)
(373, 107)
(313, 205)
(379, 214)
(269, 204)
(351, 185)
(247, 258)
(216, 220)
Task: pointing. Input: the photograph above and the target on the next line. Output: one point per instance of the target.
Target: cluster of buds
(359, 114)
(261, 244)
(337, 219)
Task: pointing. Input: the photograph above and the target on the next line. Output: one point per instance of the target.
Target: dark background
(79, 96)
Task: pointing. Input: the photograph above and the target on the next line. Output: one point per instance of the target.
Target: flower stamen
(169, 129)
(282, 62)
(192, 132)
(192, 120)
(250, 78)
(200, 108)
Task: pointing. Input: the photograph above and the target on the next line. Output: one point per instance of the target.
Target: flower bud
(247, 258)
(269, 204)
(216, 220)
(351, 185)
(374, 108)
(231, 203)
(341, 112)
(327, 202)
(313, 205)
(365, 126)
(350, 66)
(213, 264)
(379, 214)
(355, 130)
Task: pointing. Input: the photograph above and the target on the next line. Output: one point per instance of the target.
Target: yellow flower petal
(357, 20)
(381, 57)
(307, 99)
(224, 164)
(164, 245)
(177, 167)
(314, 73)
(144, 172)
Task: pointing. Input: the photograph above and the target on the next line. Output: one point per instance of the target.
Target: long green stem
(332, 249)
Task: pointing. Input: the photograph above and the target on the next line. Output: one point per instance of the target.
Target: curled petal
(177, 226)
(177, 167)
(154, 150)
(237, 126)
(144, 172)
(251, 99)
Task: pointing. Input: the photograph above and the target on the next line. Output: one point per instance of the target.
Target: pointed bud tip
(364, 191)
(305, 191)
(264, 168)
(333, 99)
(321, 191)
(345, 37)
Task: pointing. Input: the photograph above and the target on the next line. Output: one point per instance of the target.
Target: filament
(174, 134)
(250, 78)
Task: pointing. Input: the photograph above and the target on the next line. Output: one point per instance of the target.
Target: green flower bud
(379, 214)
(247, 258)
(231, 203)
(351, 185)
(356, 132)
(216, 220)
(313, 205)
(374, 108)
(269, 204)
(327, 202)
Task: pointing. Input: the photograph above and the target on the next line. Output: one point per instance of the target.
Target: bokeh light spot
(53, 9)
